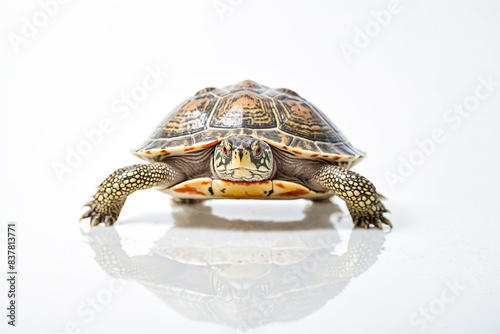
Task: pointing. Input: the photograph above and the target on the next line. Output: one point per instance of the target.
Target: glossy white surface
(259, 267)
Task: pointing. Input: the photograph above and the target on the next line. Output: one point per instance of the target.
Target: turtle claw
(380, 196)
(382, 207)
(96, 220)
(386, 221)
(108, 221)
(367, 222)
(372, 216)
(367, 219)
(361, 223)
(89, 204)
(98, 213)
(86, 214)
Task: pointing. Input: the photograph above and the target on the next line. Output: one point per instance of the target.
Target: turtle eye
(224, 149)
(258, 150)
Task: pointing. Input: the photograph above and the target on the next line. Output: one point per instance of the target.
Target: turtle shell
(279, 117)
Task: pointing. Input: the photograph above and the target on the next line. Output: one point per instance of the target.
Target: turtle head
(243, 158)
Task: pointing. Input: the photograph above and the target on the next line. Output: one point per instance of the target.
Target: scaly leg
(359, 194)
(112, 193)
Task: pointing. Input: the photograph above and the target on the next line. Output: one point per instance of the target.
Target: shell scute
(244, 109)
(275, 137)
(189, 118)
(299, 118)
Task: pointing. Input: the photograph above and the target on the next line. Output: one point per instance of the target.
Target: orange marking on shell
(189, 149)
(243, 183)
(188, 190)
(296, 192)
(148, 152)
(336, 157)
(279, 185)
(314, 155)
(210, 144)
(164, 152)
(285, 148)
(205, 182)
(296, 152)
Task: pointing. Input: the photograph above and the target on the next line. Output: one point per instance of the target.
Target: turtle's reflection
(243, 273)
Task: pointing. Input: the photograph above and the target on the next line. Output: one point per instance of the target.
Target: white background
(70, 73)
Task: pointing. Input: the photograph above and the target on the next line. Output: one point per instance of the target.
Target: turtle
(244, 141)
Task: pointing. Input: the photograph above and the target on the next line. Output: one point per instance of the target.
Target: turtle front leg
(112, 193)
(359, 194)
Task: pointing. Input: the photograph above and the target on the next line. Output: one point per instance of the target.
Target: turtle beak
(240, 153)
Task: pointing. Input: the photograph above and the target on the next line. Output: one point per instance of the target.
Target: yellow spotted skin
(113, 191)
(359, 194)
